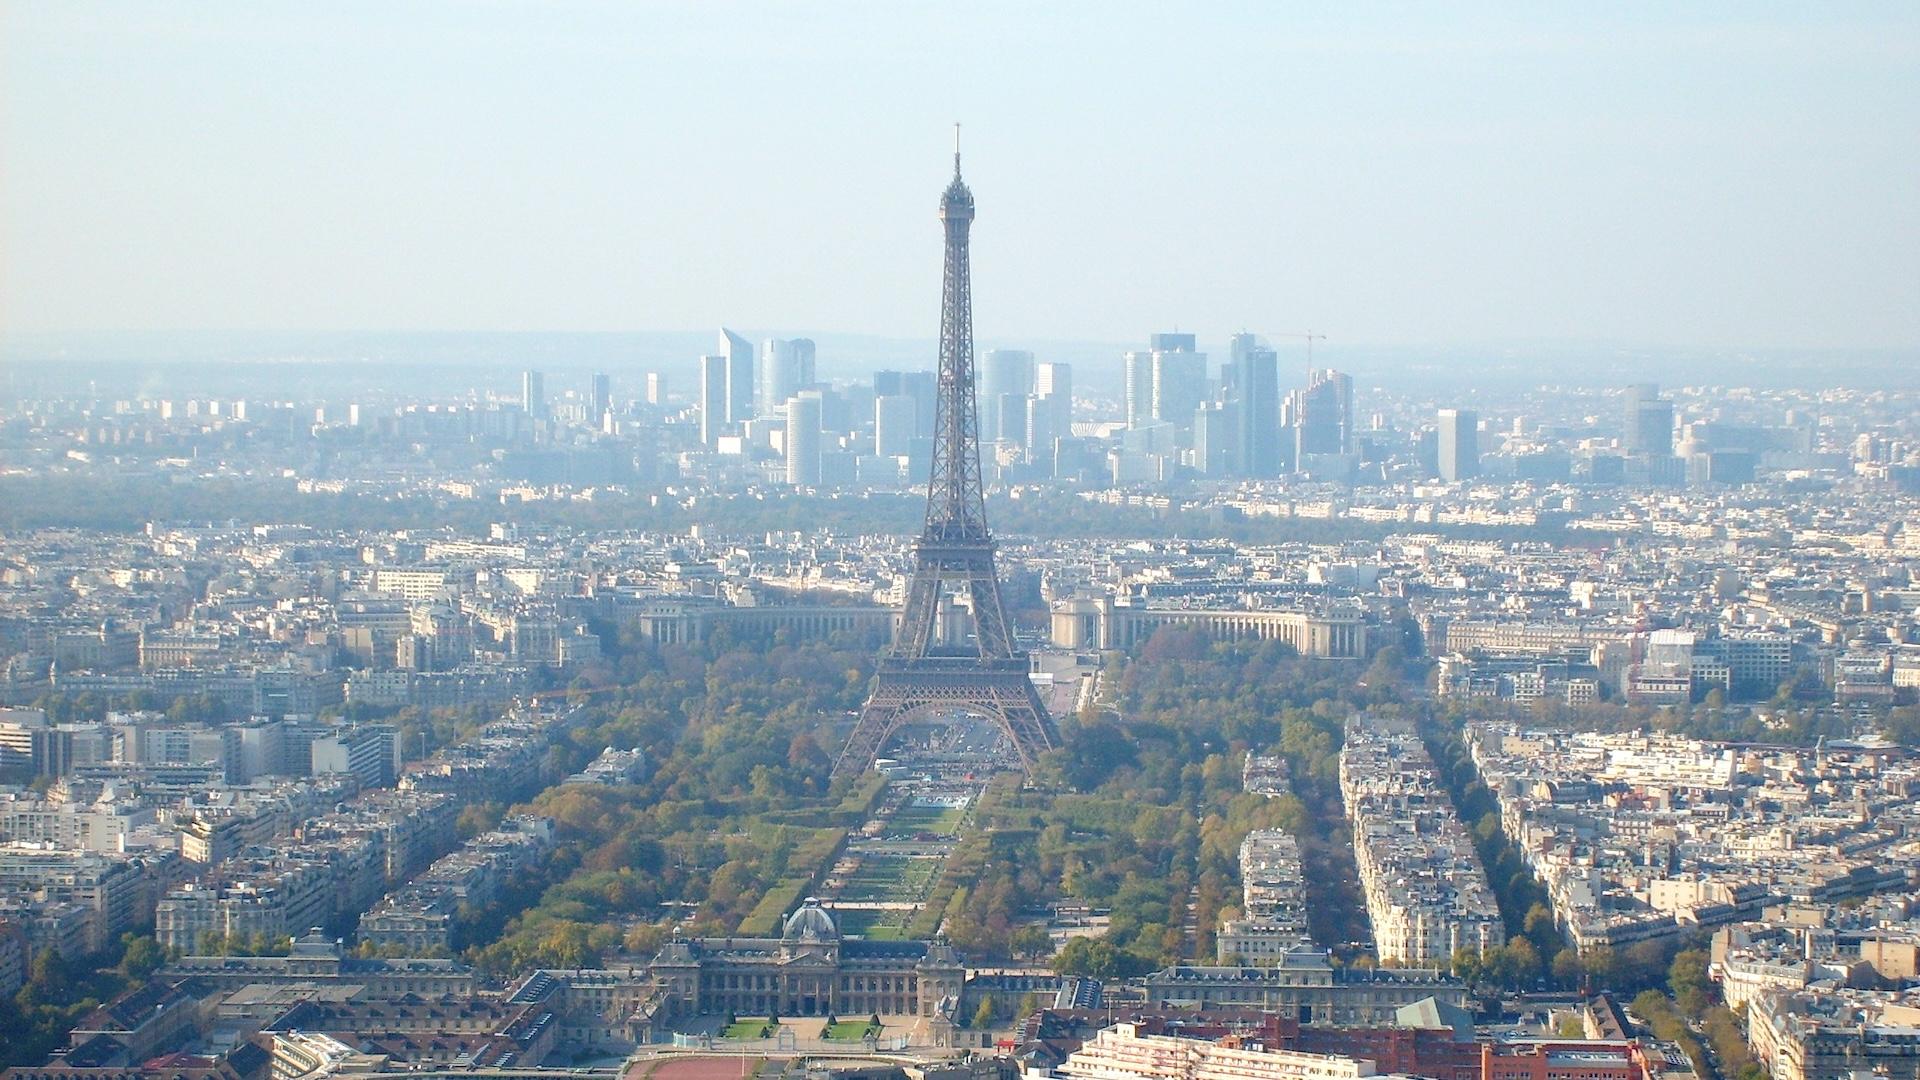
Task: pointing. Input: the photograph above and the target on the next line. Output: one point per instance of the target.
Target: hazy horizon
(1734, 177)
(203, 361)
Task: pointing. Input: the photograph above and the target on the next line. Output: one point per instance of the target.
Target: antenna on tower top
(956, 149)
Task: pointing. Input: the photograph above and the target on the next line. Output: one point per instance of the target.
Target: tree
(1687, 978)
(1093, 957)
(1540, 927)
(983, 1016)
(48, 976)
(143, 957)
(1388, 666)
(1566, 966)
(1032, 941)
(1523, 963)
(1602, 965)
(477, 818)
(1467, 964)
(1646, 962)
(643, 939)
(1094, 752)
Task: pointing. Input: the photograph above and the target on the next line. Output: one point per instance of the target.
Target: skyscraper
(1179, 379)
(1005, 373)
(1649, 421)
(786, 368)
(803, 358)
(1253, 382)
(1041, 430)
(1324, 415)
(1139, 388)
(1053, 383)
(1214, 437)
(1238, 346)
(533, 393)
(713, 399)
(924, 388)
(739, 397)
(803, 439)
(656, 388)
(1459, 444)
(895, 425)
(600, 401)
(1010, 414)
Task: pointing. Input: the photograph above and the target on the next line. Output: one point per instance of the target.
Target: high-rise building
(1252, 380)
(1004, 374)
(918, 385)
(803, 358)
(656, 388)
(1139, 388)
(1053, 384)
(1649, 421)
(1214, 438)
(1238, 346)
(1459, 444)
(1042, 430)
(1324, 415)
(533, 393)
(924, 388)
(835, 414)
(1179, 380)
(1009, 417)
(786, 368)
(713, 399)
(854, 404)
(895, 425)
(739, 354)
(600, 403)
(803, 439)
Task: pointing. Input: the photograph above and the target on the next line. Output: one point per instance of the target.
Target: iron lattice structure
(921, 673)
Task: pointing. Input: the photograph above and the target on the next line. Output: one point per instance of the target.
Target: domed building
(809, 922)
(809, 970)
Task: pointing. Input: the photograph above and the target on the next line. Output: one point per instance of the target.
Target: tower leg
(1003, 694)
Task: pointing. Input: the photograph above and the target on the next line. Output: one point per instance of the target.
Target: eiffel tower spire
(922, 673)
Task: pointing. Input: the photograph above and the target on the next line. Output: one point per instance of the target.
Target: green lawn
(874, 925)
(915, 818)
(749, 1028)
(765, 918)
(890, 877)
(850, 1031)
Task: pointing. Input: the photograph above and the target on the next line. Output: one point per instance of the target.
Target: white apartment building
(1122, 1053)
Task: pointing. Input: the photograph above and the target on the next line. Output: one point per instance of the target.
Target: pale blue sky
(1740, 174)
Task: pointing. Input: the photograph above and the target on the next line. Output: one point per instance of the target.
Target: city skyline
(1683, 180)
(1300, 633)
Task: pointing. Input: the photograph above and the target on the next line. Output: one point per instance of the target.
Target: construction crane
(1311, 336)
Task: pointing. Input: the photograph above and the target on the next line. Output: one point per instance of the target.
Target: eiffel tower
(921, 673)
